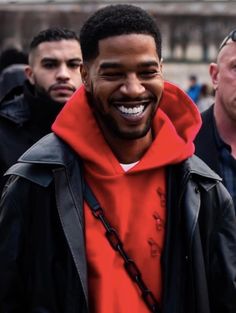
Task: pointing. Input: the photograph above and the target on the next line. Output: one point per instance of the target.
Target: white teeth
(136, 110)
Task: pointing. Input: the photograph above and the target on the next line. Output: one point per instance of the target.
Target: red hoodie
(133, 201)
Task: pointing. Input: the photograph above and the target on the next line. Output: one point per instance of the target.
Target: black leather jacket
(24, 119)
(42, 251)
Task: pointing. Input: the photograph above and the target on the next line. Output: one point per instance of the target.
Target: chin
(61, 101)
(132, 135)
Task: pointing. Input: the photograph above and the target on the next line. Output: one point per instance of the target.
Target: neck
(129, 151)
(226, 127)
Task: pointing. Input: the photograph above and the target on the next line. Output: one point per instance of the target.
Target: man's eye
(74, 65)
(49, 65)
(149, 73)
(112, 75)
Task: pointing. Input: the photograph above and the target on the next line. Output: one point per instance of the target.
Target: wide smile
(132, 110)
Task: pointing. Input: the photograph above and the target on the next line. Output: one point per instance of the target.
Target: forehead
(228, 52)
(57, 50)
(127, 47)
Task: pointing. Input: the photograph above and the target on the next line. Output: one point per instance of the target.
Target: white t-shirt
(127, 167)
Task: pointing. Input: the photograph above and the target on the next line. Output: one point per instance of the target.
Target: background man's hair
(53, 34)
(115, 20)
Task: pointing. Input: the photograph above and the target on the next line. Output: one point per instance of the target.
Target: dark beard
(41, 93)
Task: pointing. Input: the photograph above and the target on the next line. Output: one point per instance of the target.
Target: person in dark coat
(12, 69)
(216, 141)
(27, 111)
(112, 211)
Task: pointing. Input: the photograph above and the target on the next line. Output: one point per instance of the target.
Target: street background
(191, 30)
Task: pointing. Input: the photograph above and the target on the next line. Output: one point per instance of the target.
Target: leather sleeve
(223, 257)
(11, 238)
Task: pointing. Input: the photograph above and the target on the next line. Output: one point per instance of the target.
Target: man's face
(223, 76)
(55, 69)
(124, 85)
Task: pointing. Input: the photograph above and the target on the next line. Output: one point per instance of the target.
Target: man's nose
(132, 86)
(63, 72)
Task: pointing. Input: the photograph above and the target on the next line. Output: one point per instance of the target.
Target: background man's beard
(41, 92)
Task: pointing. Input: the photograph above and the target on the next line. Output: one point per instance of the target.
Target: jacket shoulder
(195, 165)
(38, 162)
(49, 150)
(15, 108)
(36, 174)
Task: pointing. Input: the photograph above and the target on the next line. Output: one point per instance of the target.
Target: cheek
(157, 89)
(227, 78)
(42, 77)
(102, 91)
(226, 83)
(100, 99)
(76, 76)
(44, 82)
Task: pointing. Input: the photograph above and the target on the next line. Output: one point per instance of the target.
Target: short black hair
(115, 20)
(53, 34)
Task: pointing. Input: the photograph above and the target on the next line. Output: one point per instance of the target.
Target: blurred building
(192, 30)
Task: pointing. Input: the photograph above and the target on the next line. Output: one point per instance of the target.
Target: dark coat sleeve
(11, 237)
(223, 259)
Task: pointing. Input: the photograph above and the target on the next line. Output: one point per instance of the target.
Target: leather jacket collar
(51, 150)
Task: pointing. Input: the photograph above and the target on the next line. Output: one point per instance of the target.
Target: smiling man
(112, 212)
(27, 112)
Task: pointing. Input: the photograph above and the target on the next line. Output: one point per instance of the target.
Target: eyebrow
(56, 60)
(107, 65)
(75, 59)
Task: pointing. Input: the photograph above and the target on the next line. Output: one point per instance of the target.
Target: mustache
(62, 85)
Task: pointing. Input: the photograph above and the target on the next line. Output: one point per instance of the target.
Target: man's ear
(29, 74)
(85, 76)
(214, 73)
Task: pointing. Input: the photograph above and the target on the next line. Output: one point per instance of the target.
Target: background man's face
(223, 76)
(124, 84)
(55, 69)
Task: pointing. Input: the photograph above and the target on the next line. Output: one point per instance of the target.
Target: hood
(21, 105)
(13, 106)
(175, 126)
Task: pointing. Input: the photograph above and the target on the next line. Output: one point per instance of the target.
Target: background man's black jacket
(205, 142)
(24, 119)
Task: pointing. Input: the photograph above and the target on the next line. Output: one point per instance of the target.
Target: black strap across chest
(116, 243)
